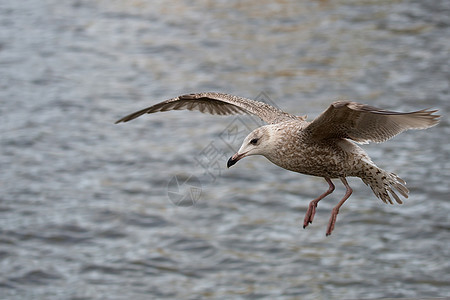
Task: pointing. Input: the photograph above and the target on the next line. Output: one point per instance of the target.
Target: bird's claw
(309, 216)
(332, 222)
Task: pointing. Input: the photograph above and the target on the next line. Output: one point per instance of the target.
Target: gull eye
(254, 141)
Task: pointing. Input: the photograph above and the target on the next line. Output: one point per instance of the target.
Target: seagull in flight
(325, 147)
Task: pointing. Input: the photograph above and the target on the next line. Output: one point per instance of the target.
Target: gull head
(258, 142)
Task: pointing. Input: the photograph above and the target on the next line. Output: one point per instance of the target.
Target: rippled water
(86, 210)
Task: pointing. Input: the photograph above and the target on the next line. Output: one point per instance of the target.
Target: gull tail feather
(384, 183)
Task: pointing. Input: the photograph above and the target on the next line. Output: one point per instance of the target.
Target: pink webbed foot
(309, 216)
(332, 222)
(335, 210)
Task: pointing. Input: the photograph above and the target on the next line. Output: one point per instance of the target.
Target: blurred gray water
(85, 211)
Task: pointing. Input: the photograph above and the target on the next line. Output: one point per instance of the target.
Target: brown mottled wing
(217, 104)
(363, 123)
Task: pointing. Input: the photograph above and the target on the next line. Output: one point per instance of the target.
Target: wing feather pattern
(217, 104)
(363, 123)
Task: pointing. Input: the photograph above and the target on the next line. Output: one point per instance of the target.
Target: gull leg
(335, 210)
(309, 216)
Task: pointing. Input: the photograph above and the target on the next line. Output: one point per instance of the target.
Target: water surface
(85, 209)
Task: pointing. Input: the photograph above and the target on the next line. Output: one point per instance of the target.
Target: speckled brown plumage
(324, 147)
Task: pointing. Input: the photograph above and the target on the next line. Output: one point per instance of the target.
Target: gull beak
(234, 159)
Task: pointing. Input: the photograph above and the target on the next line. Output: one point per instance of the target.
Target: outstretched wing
(363, 123)
(217, 104)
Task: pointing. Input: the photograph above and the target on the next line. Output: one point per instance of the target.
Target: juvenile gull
(324, 147)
